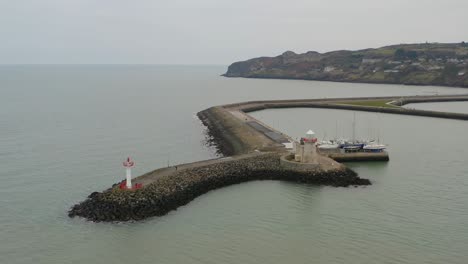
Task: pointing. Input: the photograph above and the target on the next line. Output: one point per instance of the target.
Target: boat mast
(354, 127)
(378, 130)
(336, 130)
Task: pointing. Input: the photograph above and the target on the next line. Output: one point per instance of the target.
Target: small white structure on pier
(306, 149)
(128, 164)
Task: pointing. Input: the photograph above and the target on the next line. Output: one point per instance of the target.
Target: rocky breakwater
(172, 191)
(231, 135)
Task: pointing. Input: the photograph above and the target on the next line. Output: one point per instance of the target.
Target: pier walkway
(346, 104)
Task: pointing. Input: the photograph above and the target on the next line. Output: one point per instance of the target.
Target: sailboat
(353, 145)
(328, 145)
(372, 146)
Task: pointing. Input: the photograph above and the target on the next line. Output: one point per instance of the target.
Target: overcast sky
(215, 31)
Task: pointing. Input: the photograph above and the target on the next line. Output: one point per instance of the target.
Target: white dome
(310, 132)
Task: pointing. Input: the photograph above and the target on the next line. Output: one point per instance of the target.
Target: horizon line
(110, 64)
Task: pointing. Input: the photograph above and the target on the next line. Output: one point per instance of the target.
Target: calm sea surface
(64, 131)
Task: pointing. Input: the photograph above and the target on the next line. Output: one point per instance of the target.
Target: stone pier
(252, 150)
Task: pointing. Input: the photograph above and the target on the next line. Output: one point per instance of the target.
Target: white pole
(354, 128)
(129, 178)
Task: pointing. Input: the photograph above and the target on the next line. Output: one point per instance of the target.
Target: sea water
(65, 130)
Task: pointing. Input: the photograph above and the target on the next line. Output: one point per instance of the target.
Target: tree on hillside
(401, 54)
(412, 54)
(450, 70)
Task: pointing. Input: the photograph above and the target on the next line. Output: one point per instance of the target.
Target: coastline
(346, 81)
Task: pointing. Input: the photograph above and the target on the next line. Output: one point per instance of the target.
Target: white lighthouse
(310, 135)
(306, 150)
(128, 164)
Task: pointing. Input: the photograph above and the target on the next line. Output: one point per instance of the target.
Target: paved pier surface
(152, 176)
(341, 103)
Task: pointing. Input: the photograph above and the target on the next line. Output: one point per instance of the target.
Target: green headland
(443, 64)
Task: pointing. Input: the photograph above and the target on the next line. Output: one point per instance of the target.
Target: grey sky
(215, 31)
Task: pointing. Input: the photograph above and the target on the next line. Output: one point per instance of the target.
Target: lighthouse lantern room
(128, 164)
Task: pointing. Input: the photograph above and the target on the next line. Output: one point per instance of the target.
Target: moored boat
(374, 148)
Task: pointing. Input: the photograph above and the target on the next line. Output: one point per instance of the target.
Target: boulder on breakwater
(172, 191)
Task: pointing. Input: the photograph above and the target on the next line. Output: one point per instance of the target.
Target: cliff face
(418, 64)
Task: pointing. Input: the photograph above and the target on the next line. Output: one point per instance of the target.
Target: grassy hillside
(418, 64)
